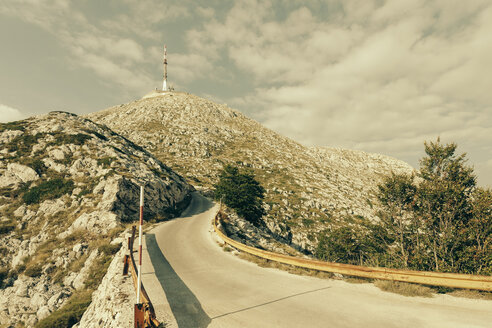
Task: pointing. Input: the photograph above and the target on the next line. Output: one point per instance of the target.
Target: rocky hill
(68, 189)
(307, 188)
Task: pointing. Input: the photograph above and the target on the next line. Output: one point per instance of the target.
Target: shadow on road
(199, 204)
(185, 306)
(266, 303)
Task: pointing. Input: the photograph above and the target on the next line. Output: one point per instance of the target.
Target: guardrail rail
(144, 313)
(453, 280)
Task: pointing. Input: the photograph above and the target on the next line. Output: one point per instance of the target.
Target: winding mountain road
(187, 274)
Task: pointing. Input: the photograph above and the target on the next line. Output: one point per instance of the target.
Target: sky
(378, 76)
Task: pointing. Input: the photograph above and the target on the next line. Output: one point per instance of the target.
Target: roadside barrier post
(139, 279)
(138, 310)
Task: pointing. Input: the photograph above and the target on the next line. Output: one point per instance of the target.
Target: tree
(477, 254)
(439, 219)
(396, 194)
(239, 190)
(443, 201)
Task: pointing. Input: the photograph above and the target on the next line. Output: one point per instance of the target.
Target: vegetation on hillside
(436, 220)
(239, 190)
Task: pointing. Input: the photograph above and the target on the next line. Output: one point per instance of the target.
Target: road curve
(187, 274)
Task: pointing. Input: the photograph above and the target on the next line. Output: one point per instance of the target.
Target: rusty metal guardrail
(453, 280)
(144, 312)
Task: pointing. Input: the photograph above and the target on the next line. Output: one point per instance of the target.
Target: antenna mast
(164, 83)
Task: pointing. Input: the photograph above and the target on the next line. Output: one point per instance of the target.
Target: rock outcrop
(68, 187)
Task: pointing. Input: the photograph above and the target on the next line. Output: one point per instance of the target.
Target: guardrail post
(139, 316)
(126, 262)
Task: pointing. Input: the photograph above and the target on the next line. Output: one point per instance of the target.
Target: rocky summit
(68, 188)
(306, 188)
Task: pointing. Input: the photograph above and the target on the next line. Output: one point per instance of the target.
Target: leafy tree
(239, 190)
(440, 220)
(443, 201)
(477, 255)
(396, 194)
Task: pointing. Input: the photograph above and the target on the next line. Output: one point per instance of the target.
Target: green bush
(50, 189)
(240, 191)
(69, 314)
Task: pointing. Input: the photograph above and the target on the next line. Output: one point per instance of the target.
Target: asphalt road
(192, 282)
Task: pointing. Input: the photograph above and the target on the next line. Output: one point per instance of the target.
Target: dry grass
(473, 294)
(358, 280)
(403, 288)
(284, 267)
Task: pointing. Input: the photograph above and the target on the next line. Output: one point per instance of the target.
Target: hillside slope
(307, 188)
(68, 186)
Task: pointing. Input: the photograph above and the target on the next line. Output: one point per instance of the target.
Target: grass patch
(33, 269)
(63, 138)
(97, 134)
(17, 125)
(23, 144)
(98, 269)
(403, 288)
(285, 267)
(109, 249)
(70, 313)
(50, 189)
(105, 162)
(358, 280)
(308, 222)
(472, 294)
(6, 227)
(36, 164)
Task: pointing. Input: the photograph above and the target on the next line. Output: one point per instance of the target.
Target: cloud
(96, 44)
(9, 114)
(381, 76)
(377, 78)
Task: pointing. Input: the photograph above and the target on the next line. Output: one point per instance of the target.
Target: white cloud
(378, 76)
(380, 79)
(9, 114)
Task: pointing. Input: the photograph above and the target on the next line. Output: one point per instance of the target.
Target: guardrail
(420, 277)
(144, 312)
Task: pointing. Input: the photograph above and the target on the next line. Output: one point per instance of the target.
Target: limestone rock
(69, 156)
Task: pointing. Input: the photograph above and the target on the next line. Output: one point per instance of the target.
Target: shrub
(50, 189)
(70, 313)
(6, 227)
(37, 165)
(240, 191)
